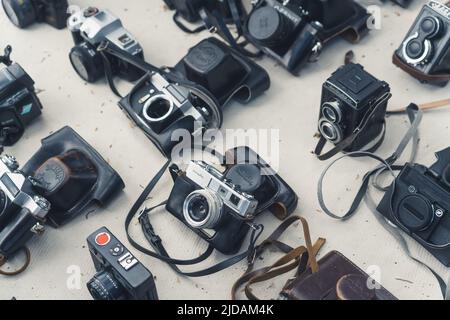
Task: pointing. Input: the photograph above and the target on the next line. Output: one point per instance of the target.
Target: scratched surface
(291, 106)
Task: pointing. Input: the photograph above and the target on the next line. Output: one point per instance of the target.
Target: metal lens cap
(415, 213)
(246, 176)
(264, 23)
(415, 49)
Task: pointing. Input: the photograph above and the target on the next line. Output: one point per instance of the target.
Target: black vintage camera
(24, 13)
(418, 202)
(92, 27)
(19, 104)
(294, 32)
(425, 51)
(224, 72)
(218, 205)
(159, 106)
(72, 175)
(120, 276)
(190, 9)
(353, 110)
(23, 211)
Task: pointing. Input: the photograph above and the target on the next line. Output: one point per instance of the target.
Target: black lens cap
(414, 49)
(264, 23)
(246, 176)
(415, 212)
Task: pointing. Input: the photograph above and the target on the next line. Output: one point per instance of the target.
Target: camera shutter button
(102, 239)
(415, 212)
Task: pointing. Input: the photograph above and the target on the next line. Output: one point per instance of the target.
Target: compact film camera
(23, 210)
(293, 32)
(92, 27)
(19, 104)
(353, 103)
(120, 276)
(218, 205)
(425, 51)
(418, 203)
(24, 13)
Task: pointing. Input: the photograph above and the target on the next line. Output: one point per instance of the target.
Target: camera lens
(431, 26)
(202, 209)
(415, 49)
(267, 25)
(86, 62)
(103, 286)
(157, 108)
(330, 131)
(21, 13)
(332, 111)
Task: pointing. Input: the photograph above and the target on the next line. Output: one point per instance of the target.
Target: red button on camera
(102, 239)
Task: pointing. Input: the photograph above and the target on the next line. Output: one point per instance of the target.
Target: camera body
(19, 104)
(120, 276)
(425, 51)
(23, 211)
(24, 13)
(348, 96)
(218, 206)
(90, 28)
(190, 9)
(224, 72)
(159, 107)
(418, 203)
(294, 32)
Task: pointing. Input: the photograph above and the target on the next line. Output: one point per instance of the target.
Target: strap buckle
(103, 46)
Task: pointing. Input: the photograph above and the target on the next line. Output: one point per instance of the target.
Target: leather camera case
(72, 175)
(337, 279)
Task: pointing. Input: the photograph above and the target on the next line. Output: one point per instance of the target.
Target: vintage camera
(218, 205)
(23, 210)
(294, 32)
(425, 51)
(92, 27)
(120, 276)
(352, 97)
(160, 106)
(190, 9)
(418, 202)
(19, 104)
(24, 13)
(224, 72)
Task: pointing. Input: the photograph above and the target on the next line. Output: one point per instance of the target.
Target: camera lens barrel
(330, 131)
(21, 13)
(268, 26)
(202, 209)
(332, 111)
(157, 108)
(104, 286)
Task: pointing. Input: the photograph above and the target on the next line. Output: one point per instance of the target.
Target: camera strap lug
(6, 57)
(38, 229)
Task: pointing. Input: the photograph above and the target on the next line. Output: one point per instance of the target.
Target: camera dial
(269, 26)
(157, 108)
(103, 286)
(202, 209)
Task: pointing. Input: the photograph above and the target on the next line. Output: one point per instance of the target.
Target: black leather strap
(183, 27)
(341, 146)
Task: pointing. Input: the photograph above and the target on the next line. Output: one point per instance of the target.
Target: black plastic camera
(92, 27)
(190, 9)
(294, 32)
(218, 205)
(120, 276)
(418, 202)
(23, 211)
(425, 51)
(224, 72)
(353, 110)
(19, 104)
(24, 13)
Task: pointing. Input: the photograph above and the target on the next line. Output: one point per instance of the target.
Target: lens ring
(214, 209)
(152, 102)
(104, 286)
(434, 28)
(428, 48)
(332, 111)
(330, 131)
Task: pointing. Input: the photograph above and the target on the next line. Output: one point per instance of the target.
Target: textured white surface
(291, 105)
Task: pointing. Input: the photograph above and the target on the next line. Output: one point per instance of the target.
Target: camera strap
(3, 261)
(300, 258)
(415, 117)
(365, 122)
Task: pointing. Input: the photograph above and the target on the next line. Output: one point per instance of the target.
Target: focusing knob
(415, 213)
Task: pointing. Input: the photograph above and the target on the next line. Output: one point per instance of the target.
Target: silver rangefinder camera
(90, 28)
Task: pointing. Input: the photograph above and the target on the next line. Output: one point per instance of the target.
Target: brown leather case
(337, 279)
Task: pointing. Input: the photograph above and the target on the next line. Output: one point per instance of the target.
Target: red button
(102, 239)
